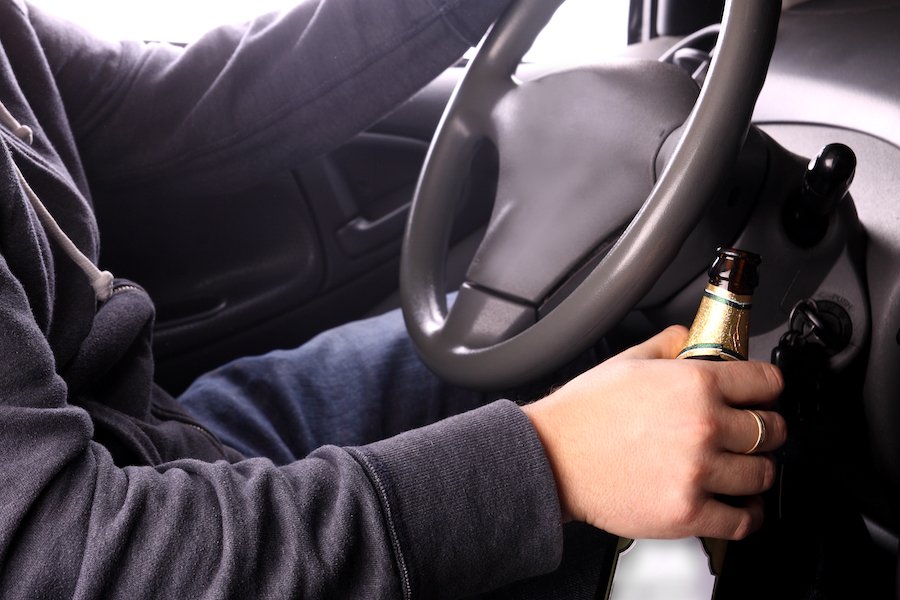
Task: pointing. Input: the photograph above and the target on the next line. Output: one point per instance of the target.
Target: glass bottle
(721, 327)
(720, 331)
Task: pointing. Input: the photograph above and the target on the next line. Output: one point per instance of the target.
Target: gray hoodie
(107, 488)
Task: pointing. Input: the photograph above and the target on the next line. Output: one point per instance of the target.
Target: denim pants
(355, 384)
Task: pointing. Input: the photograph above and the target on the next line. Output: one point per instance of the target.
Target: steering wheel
(554, 272)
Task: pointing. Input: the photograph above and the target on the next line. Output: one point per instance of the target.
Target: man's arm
(461, 506)
(254, 99)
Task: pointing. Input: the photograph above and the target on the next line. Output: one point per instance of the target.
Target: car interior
(572, 210)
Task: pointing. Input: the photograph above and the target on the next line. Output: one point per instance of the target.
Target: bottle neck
(735, 270)
(721, 327)
(726, 294)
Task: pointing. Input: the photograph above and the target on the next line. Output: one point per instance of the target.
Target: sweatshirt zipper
(124, 287)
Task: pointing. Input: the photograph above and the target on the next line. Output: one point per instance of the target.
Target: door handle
(361, 235)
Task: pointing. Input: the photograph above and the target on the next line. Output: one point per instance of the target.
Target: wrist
(541, 420)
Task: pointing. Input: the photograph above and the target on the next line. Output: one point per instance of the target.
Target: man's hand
(643, 446)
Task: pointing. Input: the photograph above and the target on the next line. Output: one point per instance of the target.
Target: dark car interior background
(272, 264)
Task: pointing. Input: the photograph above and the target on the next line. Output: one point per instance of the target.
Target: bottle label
(721, 326)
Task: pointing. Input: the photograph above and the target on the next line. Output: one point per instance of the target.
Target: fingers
(747, 382)
(738, 475)
(727, 522)
(740, 382)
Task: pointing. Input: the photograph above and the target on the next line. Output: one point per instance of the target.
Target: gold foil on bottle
(721, 326)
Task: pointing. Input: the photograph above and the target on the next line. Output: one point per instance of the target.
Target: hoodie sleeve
(245, 100)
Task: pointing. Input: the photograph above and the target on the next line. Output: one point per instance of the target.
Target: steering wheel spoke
(479, 318)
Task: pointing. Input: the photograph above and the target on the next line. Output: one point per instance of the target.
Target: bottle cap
(737, 269)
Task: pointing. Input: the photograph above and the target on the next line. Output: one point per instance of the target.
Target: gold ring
(761, 435)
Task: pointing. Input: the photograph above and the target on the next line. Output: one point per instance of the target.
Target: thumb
(665, 344)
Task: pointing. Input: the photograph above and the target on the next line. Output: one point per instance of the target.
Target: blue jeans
(351, 385)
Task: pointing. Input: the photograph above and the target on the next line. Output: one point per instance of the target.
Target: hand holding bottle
(645, 447)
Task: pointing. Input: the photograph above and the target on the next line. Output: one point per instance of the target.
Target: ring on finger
(761, 431)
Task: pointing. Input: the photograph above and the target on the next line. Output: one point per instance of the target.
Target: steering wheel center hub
(577, 161)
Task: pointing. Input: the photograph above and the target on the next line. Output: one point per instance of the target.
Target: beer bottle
(721, 331)
(721, 327)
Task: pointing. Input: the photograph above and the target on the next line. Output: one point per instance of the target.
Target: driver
(339, 469)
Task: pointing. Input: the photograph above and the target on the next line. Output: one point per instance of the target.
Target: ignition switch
(824, 322)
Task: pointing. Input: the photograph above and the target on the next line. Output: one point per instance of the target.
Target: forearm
(462, 506)
(470, 502)
(257, 98)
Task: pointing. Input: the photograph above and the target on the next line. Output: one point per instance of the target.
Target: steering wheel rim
(713, 134)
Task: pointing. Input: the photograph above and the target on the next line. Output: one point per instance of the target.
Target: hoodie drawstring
(101, 281)
(23, 132)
